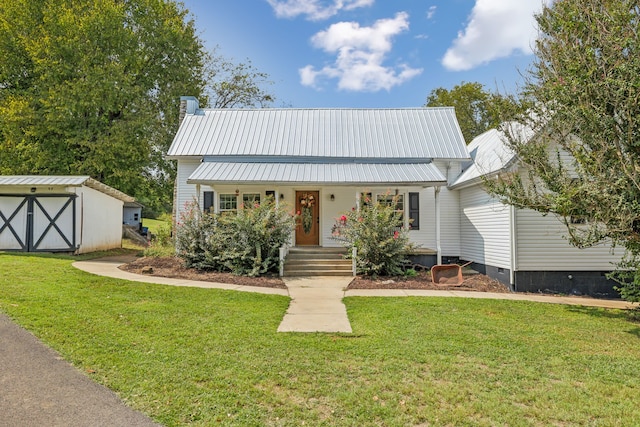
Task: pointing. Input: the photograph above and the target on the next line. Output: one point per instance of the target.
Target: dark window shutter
(208, 201)
(414, 211)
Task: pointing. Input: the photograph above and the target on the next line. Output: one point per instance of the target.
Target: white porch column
(216, 201)
(276, 195)
(198, 196)
(358, 195)
(437, 205)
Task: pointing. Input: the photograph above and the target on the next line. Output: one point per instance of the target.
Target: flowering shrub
(380, 243)
(246, 243)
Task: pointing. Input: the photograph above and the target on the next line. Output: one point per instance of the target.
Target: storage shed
(59, 214)
(132, 214)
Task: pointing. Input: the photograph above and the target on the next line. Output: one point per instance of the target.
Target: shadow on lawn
(631, 315)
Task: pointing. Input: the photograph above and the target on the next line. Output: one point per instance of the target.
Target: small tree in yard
(246, 243)
(377, 234)
(585, 89)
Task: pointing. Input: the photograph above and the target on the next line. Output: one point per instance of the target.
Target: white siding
(484, 226)
(345, 200)
(186, 192)
(541, 246)
(99, 220)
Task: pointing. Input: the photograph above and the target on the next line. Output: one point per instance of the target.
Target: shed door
(38, 223)
(13, 223)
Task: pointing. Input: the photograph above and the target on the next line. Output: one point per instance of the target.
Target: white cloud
(315, 10)
(361, 52)
(431, 12)
(496, 29)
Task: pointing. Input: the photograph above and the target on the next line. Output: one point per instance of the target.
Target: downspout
(513, 247)
(438, 243)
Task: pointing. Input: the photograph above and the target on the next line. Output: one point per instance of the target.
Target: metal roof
(426, 133)
(490, 154)
(63, 181)
(317, 173)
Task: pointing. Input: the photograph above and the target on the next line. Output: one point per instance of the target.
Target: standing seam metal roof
(317, 173)
(430, 133)
(63, 181)
(490, 153)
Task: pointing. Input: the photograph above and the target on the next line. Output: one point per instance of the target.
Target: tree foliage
(93, 87)
(477, 110)
(583, 164)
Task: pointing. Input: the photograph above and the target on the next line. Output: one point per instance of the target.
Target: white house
(59, 214)
(335, 157)
(521, 247)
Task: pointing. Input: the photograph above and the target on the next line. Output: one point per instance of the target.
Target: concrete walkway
(316, 302)
(316, 305)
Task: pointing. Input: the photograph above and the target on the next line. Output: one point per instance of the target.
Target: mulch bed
(173, 267)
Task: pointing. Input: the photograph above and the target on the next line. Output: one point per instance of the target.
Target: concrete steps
(317, 261)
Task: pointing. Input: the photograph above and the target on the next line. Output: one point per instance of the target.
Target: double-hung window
(250, 199)
(397, 202)
(228, 203)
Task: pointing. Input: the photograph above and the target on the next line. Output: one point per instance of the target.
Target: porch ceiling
(318, 173)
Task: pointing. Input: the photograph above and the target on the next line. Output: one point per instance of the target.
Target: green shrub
(244, 243)
(375, 231)
(410, 272)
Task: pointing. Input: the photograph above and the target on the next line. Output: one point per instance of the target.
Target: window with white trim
(228, 202)
(397, 201)
(365, 199)
(250, 199)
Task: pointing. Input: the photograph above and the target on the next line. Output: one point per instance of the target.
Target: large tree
(477, 109)
(92, 87)
(583, 164)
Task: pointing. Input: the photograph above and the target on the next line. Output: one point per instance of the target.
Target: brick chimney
(188, 105)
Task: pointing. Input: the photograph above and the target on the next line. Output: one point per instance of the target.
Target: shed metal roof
(63, 181)
(427, 133)
(317, 173)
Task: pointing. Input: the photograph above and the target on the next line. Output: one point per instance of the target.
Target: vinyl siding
(99, 217)
(186, 192)
(484, 227)
(541, 246)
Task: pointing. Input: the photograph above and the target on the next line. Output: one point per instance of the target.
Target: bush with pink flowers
(376, 232)
(245, 243)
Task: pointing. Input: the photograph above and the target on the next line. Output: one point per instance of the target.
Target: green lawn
(154, 224)
(212, 357)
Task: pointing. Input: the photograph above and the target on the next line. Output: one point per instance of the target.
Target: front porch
(319, 207)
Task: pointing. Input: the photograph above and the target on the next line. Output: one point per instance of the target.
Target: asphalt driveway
(39, 388)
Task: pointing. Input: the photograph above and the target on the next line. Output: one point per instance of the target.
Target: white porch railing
(284, 251)
(354, 253)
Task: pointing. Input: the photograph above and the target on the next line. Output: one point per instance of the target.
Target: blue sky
(372, 53)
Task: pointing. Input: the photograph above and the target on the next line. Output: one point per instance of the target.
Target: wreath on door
(306, 206)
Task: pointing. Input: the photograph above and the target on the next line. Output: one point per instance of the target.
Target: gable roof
(63, 181)
(490, 154)
(322, 134)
